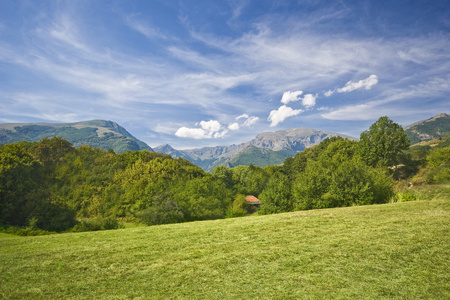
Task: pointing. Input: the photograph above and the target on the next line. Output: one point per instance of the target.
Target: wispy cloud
(351, 86)
(251, 121)
(143, 27)
(362, 84)
(248, 121)
(243, 116)
(437, 87)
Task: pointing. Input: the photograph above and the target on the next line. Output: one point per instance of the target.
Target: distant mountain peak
(426, 130)
(266, 148)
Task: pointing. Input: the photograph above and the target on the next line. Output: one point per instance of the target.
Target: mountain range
(96, 133)
(266, 148)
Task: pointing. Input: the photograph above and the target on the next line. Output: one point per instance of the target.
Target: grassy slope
(399, 250)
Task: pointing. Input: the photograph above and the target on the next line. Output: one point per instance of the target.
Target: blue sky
(205, 73)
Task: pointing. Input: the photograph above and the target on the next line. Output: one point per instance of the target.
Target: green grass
(393, 251)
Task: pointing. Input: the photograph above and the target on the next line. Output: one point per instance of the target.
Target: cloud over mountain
(209, 129)
(281, 114)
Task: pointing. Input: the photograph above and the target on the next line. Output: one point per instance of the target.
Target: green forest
(51, 186)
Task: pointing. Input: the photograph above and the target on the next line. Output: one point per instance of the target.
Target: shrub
(98, 223)
(407, 197)
(239, 207)
(161, 213)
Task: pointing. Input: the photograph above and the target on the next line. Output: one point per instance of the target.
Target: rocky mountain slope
(266, 148)
(426, 130)
(95, 133)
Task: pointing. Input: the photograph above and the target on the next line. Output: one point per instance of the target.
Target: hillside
(426, 130)
(274, 147)
(395, 251)
(258, 157)
(96, 133)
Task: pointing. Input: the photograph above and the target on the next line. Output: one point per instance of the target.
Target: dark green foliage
(249, 180)
(24, 188)
(239, 207)
(276, 197)
(203, 198)
(165, 211)
(225, 175)
(383, 143)
(50, 183)
(97, 223)
(339, 177)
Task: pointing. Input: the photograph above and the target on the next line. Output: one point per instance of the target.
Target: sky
(194, 73)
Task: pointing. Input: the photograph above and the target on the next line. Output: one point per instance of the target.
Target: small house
(253, 202)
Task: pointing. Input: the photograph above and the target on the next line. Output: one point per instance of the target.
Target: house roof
(252, 200)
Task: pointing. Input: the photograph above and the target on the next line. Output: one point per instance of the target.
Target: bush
(239, 208)
(98, 223)
(28, 231)
(166, 212)
(407, 197)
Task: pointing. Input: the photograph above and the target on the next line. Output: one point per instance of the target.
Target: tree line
(51, 185)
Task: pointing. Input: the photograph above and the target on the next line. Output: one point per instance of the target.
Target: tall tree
(383, 143)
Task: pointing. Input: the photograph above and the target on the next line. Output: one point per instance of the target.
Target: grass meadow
(392, 251)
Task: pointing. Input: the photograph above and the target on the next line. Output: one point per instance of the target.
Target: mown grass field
(392, 251)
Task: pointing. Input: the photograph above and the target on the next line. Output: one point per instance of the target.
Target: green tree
(225, 175)
(249, 180)
(383, 143)
(276, 197)
(239, 207)
(203, 198)
(24, 195)
(339, 177)
(19, 177)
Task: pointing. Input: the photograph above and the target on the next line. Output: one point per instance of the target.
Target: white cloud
(291, 96)
(193, 133)
(245, 116)
(281, 114)
(309, 100)
(234, 126)
(364, 83)
(220, 134)
(329, 93)
(209, 129)
(210, 126)
(251, 121)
